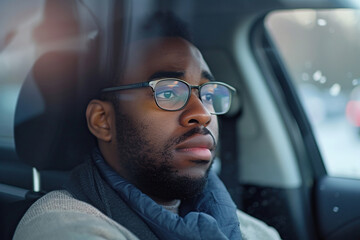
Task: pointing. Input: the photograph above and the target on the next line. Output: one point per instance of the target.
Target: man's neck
(174, 207)
(164, 202)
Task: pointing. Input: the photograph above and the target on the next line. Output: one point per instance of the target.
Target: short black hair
(163, 24)
(156, 25)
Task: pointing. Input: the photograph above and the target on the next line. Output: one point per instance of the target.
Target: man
(150, 176)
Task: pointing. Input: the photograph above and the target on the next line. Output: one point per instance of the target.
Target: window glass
(16, 49)
(321, 50)
(34, 37)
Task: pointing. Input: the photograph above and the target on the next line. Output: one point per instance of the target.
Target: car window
(17, 55)
(321, 52)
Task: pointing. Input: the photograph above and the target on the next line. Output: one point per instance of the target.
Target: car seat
(50, 130)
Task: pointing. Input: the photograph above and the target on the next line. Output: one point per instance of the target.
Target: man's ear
(100, 119)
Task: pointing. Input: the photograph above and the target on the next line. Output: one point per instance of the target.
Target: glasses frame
(153, 84)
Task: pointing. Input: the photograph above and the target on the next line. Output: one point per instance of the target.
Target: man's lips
(197, 148)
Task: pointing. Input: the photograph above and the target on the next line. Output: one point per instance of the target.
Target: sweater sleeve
(254, 229)
(59, 216)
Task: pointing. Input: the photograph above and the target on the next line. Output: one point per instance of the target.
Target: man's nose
(195, 113)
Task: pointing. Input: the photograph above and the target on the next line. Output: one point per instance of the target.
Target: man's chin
(193, 174)
(175, 187)
(191, 186)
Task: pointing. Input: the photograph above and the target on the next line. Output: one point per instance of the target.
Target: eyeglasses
(172, 94)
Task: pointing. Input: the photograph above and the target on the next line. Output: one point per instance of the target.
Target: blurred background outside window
(321, 51)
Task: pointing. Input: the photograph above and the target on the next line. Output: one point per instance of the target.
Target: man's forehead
(166, 54)
(148, 44)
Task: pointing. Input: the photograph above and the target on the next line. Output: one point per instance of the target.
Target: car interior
(54, 55)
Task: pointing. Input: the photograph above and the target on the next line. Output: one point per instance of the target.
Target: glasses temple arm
(125, 87)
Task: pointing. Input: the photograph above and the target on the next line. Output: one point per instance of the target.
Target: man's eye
(207, 97)
(165, 95)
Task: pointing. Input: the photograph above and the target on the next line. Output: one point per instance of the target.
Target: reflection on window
(321, 50)
(17, 54)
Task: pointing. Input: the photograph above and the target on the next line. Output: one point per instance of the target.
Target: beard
(149, 166)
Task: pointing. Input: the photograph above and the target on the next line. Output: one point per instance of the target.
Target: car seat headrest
(50, 125)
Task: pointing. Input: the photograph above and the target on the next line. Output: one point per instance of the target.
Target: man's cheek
(214, 127)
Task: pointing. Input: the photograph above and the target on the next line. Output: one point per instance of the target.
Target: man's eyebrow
(208, 76)
(166, 74)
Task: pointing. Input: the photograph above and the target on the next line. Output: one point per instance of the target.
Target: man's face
(165, 154)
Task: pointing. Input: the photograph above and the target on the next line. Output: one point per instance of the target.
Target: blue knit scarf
(210, 215)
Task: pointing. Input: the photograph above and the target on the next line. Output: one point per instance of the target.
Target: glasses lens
(216, 97)
(171, 94)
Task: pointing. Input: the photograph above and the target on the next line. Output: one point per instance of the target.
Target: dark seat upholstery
(12, 212)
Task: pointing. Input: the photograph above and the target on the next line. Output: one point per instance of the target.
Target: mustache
(192, 132)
